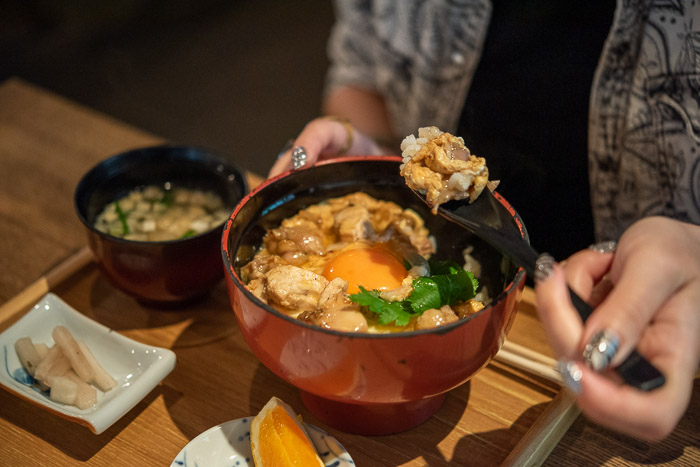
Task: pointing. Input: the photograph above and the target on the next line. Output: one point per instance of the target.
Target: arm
(324, 138)
(350, 94)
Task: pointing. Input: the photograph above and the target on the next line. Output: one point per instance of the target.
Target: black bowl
(163, 271)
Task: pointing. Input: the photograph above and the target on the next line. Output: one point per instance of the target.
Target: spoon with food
(441, 170)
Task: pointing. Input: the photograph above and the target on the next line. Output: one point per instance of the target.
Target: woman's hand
(325, 138)
(646, 296)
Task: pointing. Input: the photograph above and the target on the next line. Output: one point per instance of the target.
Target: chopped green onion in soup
(153, 213)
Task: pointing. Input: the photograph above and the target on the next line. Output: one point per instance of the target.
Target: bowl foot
(372, 419)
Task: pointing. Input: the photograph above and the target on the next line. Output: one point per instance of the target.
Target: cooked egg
(372, 267)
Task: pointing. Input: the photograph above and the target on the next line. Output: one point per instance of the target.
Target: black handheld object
(489, 219)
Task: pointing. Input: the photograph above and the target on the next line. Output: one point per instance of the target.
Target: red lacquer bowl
(366, 383)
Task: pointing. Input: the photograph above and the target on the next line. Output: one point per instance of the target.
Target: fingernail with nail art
(600, 351)
(544, 267)
(571, 375)
(604, 247)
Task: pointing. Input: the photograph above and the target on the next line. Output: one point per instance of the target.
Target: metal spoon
(489, 219)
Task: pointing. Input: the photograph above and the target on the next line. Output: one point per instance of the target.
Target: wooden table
(46, 144)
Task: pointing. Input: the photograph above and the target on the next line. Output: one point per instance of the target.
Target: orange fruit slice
(279, 439)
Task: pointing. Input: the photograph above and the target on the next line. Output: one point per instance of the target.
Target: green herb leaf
(457, 287)
(122, 218)
(425, 295)
(443, 267)
(449, 284)
(387, 311)
(168, 198)
(188, 234)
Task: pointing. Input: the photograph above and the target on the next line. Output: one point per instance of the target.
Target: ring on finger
(299, 157)
(604, 247)
(349, 133)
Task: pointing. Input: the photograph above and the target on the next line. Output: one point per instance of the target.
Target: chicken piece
(334, 293)
(257, 287)
(354, 199)
(436, 317)
(320, 215)
(258, 267)
(335, 311)
(464, 309)
(294, 244)
(384, 215)
(294, 288)
(400, 293)
(404, 290)
(336, 319)
(439, 165)
(411, 226)
(353, 224)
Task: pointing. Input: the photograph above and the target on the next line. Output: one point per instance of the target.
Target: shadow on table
(231, 383)
(205, 319)
(584, 433)
(474, 448)
(74, 440)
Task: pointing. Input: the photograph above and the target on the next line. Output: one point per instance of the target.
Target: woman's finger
(313, 139)
(644, 280)
(647, 415)
(586, 272)
(325, 138)
(672, 344)
(560, 320)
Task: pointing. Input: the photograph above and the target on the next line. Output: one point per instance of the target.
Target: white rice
(411, 145)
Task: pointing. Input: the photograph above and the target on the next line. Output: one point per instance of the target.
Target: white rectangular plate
(138, 368)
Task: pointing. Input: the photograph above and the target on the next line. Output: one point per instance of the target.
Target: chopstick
(528, 360)
(37, 289)
(556, 419)
(543, 436)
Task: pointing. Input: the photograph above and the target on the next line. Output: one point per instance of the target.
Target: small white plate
(228, 445)
(138, 368)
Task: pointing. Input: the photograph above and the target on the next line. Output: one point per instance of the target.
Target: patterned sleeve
(420, 55)
(351, 45)
(644, 120)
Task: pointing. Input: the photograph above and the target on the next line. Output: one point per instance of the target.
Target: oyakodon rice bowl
(365, 383)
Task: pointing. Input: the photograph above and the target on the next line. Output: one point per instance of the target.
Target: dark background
(240, 76)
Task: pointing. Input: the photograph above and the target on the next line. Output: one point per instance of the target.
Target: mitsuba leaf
(448, 284)
(425, 295)
(457, 287)
(387, 311)
(438, 268)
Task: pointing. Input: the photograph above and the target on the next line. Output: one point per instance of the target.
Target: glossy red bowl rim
(518, 277)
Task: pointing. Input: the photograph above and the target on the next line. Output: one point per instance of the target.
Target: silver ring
(298, 157)
(604, 247)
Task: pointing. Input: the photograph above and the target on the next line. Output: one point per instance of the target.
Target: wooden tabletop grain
(46, 144)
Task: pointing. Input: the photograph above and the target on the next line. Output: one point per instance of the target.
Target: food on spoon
(278, 438)
(66, 370)
(358, 264)
(439, 165)
(156, 213)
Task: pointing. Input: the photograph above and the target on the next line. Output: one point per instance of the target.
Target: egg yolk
(374, 268)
